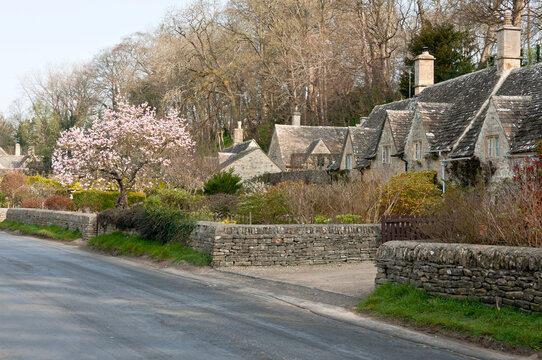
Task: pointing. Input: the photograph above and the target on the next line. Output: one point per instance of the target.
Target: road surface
(59, 302)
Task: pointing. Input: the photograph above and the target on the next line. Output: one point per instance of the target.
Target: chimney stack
(238, 134)
(17, 149)
(508, 45)
(424, 71)
(296, 118)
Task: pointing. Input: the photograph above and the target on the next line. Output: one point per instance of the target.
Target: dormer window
(417, 147)
(386, 154)
(349, 161)
(493, 149)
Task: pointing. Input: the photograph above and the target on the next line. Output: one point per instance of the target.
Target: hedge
(96, 200)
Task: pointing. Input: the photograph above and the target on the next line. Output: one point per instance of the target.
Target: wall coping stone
(467, 255)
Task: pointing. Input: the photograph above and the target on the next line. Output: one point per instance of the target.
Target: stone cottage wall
(493, 274)
(86, 223)
(245, 245)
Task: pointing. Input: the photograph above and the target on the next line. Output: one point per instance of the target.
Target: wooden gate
(402, 227)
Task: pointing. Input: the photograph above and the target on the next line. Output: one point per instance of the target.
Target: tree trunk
(421, 12)
(122, 200)
(488, 44)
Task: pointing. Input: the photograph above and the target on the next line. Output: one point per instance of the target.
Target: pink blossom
(129, 146)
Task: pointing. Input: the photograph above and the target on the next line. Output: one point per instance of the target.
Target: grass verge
(467, 317)
(50, 231)
(122, 244)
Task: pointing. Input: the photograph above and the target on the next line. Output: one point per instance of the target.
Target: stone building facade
(492, 116)
(247, 160)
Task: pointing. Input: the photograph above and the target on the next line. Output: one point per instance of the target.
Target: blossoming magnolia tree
(129, 146)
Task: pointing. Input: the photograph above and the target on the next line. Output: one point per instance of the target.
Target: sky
(35, 34)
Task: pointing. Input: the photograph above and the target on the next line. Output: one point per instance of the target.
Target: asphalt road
(59, 302)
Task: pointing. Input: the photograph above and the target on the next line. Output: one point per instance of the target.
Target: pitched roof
(237, 156)
(469, 96)
(238, 148)
(433, 114)
(313, 146)
(400, 121)
(12, 161)
(362, 139)
(511, 111)
(526, 81)
(376, 120)
(294, 140)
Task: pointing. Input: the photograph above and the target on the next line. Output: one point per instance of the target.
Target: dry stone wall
(493, 274)
(245, 245)
(85, 223)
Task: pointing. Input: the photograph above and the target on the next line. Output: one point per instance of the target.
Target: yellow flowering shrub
(410, 193)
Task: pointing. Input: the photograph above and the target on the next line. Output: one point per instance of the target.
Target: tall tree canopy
(454, 52)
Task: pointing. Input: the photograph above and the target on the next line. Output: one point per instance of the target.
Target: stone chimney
(238, 134)
(508, 45)
(17, 149)
(296, 118)
(424, 71)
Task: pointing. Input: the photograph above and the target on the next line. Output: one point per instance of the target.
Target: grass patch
(50, 231)
(122, 244)
(468, 317)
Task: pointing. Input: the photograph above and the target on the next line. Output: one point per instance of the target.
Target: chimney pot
(508, 17)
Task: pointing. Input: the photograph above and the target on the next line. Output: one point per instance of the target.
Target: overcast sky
(37, 33)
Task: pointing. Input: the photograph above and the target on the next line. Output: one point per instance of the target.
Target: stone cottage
(492, 115)
(296, 147)
(14, 163)
(247, 159)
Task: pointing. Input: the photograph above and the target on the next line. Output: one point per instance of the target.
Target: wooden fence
(402, 227)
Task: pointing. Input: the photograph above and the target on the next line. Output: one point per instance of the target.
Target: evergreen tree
(453, 50)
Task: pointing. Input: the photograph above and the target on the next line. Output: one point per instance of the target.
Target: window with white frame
(349, 161)
(417, 145)
(493, 146)
(386, 154)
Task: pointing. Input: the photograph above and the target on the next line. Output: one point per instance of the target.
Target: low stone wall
(493, 274)
(86, 223)
(245, 245)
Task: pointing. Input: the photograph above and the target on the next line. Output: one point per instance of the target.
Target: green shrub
(264, 208)
(3, 200)
(322, 220)
(410, 193)
(339, 219)
(165, 224)
(97, 200)
(348, 219)
(122, 219)
(174, 198)
(157, 223)
(225, 182)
